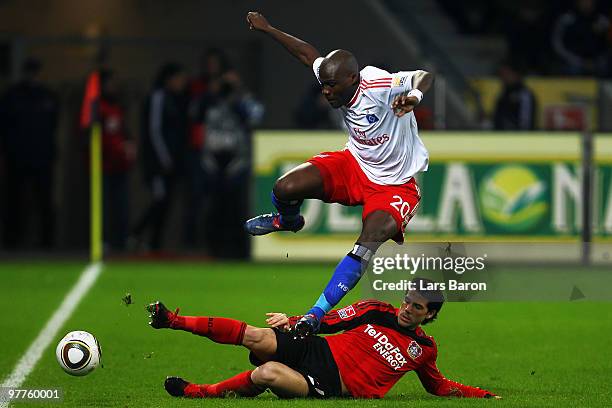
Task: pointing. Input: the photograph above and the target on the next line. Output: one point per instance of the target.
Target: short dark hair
(435, 297)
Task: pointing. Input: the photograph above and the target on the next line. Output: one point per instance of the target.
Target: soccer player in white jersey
(376, 169)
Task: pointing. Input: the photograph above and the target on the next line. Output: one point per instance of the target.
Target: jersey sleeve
(435, 383)
(401, 82)
(350, 317)
(316, 65)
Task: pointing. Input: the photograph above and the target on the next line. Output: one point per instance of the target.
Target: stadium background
(476, 173)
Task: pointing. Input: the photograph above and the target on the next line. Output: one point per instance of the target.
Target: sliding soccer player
(378, 345)
(375, 170)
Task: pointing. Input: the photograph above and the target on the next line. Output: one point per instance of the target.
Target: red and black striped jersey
(374, 352)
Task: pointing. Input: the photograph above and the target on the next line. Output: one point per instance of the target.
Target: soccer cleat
(308, 325)
(175, 386)
(178, 387)
(267, 223)
(160, 316)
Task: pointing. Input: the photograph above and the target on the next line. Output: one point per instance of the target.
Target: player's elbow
(436, 389)
(433, 391)
(422, 80)
(427, 76)
(309, 55)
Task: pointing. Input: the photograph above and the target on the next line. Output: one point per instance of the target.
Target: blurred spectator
(314, 112)
(118, 153)
(164, 139)
(609, 41)
(527, 36)
(230, 114)
(28, 121)
(472, 16)
(579, 39)
(516, 106)
(213, 65)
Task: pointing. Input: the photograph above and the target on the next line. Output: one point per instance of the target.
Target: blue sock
(289, 210)
(345, 277)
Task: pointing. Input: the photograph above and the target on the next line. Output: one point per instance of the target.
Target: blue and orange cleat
(267, 223)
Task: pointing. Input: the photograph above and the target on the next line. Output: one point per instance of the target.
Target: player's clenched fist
(257, 21)
(403, 104)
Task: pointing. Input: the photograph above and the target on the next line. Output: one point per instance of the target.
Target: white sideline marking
(28, 361)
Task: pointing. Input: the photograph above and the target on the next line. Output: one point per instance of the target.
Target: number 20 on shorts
(403, 207)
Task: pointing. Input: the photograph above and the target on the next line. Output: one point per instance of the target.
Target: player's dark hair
(435, 297)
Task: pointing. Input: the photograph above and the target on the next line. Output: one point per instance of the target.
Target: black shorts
(312, 358)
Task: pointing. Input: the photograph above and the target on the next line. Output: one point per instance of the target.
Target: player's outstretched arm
(435, 383)
(301, 50)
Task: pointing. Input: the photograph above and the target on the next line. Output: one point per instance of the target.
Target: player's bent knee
(285, 188)
(267, 373)
(380, 229)
(374, 236)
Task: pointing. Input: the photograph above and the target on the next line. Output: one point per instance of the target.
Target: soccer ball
(78, 353)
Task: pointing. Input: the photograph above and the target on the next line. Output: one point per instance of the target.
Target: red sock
(241, 384)
(218, 329)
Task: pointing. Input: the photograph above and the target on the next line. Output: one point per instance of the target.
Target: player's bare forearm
(303, 51)
(422, 81)
(300, 49)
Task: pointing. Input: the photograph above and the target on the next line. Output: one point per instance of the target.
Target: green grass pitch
(533, 354)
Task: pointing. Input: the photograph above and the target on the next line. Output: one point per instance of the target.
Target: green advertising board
(602, 189)
(484, 187)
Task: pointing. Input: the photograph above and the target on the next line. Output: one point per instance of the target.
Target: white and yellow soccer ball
(78, 353)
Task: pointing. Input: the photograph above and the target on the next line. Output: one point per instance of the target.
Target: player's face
(338, 88)
(413, 310)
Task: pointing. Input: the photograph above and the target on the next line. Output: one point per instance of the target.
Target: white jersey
(387, 148)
